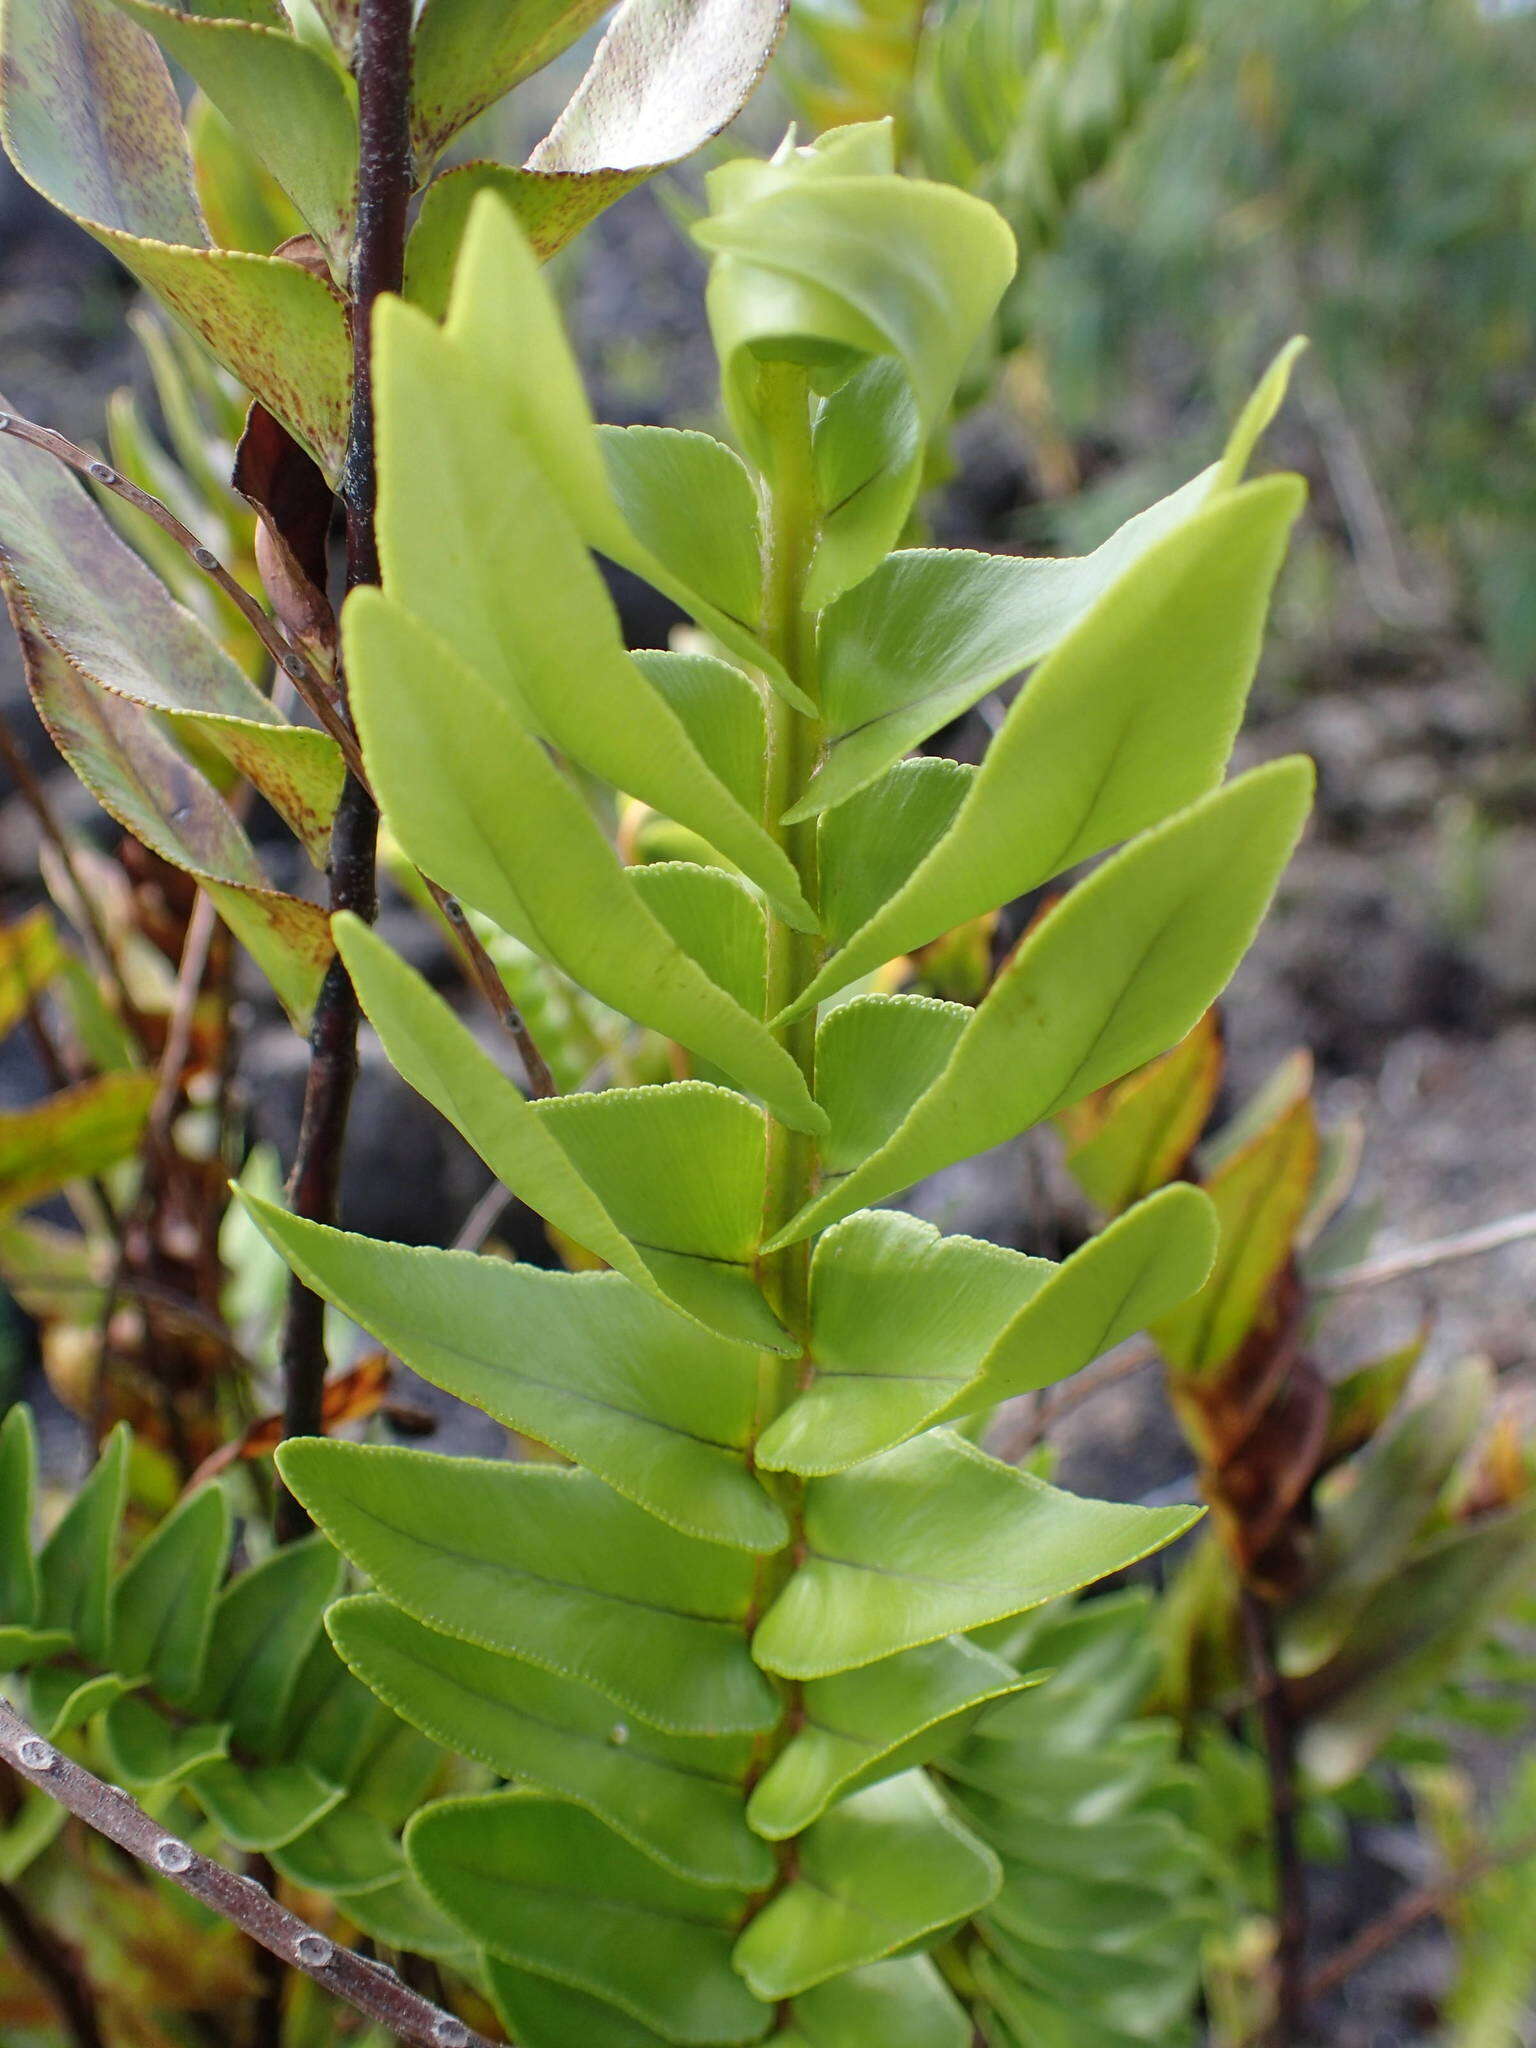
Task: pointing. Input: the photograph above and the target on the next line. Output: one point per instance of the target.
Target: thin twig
(311, 685)
(1290, 1874)
(38, 1950)
(1374, 542)
(93, 933)
(176, 1307)
(486, 976)
(1426, 1903)
(483, 1218)
(1123, 1363)
(196, 945)
(1140, 1352)
(368, 1986)
(382, 64)
(1438, 1251)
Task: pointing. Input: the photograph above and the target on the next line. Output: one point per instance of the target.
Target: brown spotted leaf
(139, 778)
(286, 98)
(92, 597)
(553, 207)
(467, 53)
(90, 118)
(340, 17)
(667, 75)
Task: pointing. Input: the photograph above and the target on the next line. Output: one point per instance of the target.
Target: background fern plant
(1022, 102)
(716, 1651)
(227, 1696)
(1096, 1936)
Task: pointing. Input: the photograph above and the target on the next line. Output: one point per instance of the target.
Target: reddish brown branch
(486, 976)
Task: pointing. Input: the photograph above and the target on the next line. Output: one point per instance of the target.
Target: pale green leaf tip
(1183, 1194)
(351, 934)
(268, 1217)
(797, 1008)
(797, 1227)
(796, 911)
(493, 232)
(813, 1119)
(290, 1459)
(802, 813)
(1256, 415)
(1299, 769)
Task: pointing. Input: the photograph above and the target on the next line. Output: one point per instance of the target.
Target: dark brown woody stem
(368, 1986)
(1278, 1738)
(383, 67)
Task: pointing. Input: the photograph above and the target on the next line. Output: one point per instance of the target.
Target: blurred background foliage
(1360, 171)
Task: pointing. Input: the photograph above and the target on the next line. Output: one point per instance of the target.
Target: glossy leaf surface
(538, 392)
(584, 1362)
(76, 1564)
(162, 1604)
(871, 1724)
(676, 1797)
(910, 1328)
(1110, 977)
(935, 1537)
(827, 254)
(538, 865)
(882, 1870)
(443, 535)
(550, 1566)
(901, 1318)
(548, 1887)
(959, 624)
(440, 1058)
